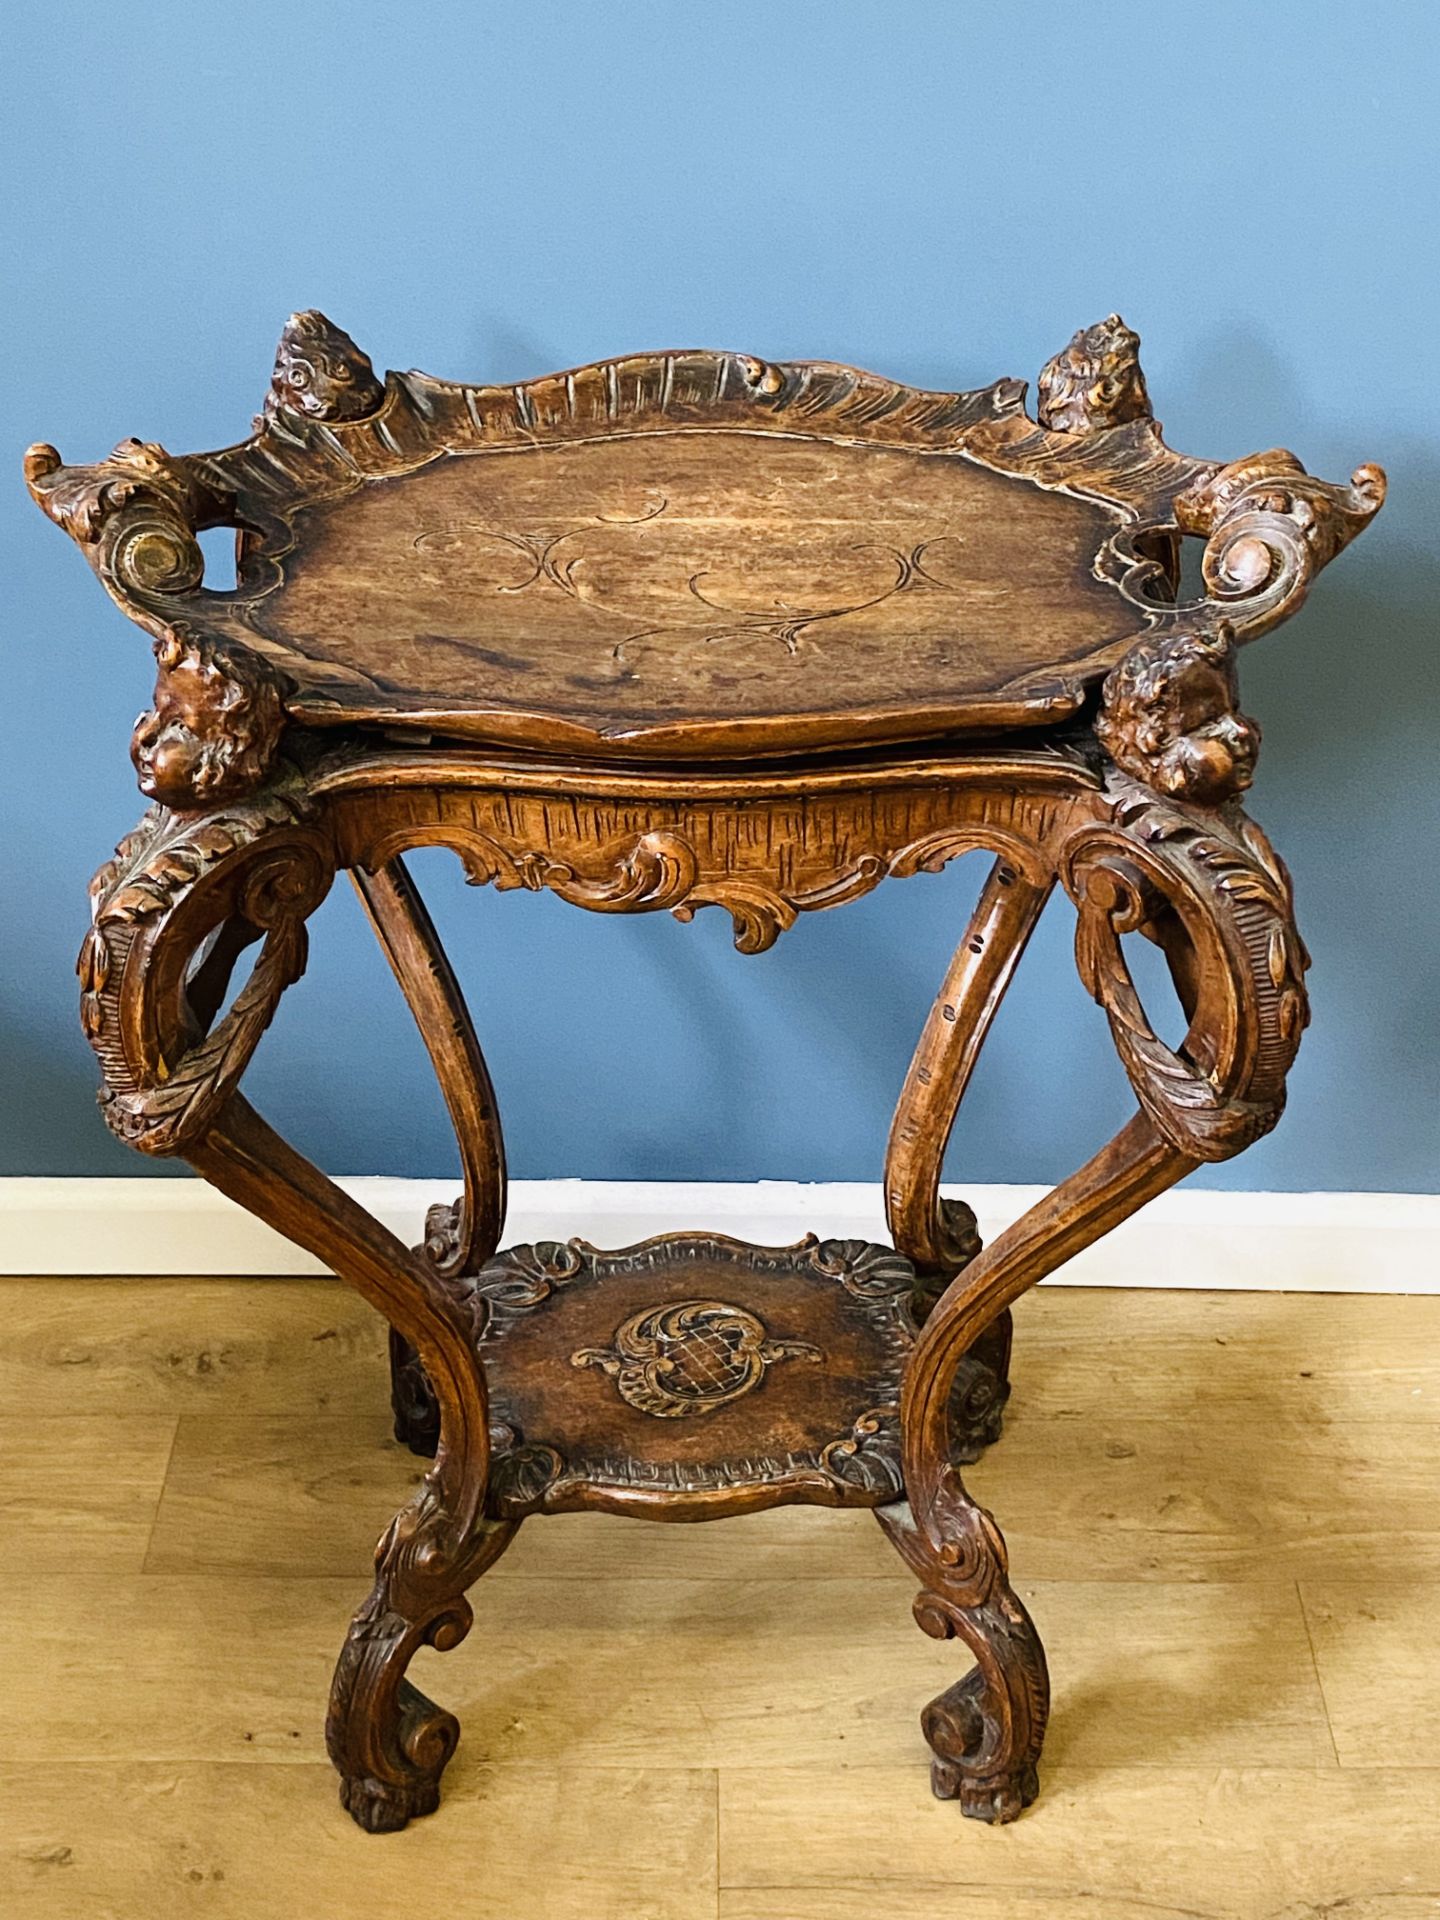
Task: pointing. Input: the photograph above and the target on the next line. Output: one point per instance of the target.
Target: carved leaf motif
(158, 1107)
(1217, 1102)
(522, 1477)
(869, 1456)
(868, 1271)
(1279, 956)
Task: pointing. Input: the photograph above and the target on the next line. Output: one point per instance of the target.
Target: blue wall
(942, 193)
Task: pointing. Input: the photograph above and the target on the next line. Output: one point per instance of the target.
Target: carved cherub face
(1170, 717)
(212, 730)
(1207, 747)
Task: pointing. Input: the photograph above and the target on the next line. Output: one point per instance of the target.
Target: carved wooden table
(674, 631)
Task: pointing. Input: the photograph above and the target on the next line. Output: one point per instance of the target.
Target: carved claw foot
(430, 1736)
(412, 1399)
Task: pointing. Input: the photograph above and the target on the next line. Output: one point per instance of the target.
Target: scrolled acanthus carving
(1217, 874)
(1169, 715)
(1095, 382)
(663, 870)
(869, 1456)
(136, 513)
(174, 882)
(217, 721)
(320, 373)
(1269, 527)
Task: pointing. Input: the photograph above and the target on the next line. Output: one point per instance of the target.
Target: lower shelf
(694, 1375)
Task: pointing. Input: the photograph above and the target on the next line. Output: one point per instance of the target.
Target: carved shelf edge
(610, 1370)
(329, 425)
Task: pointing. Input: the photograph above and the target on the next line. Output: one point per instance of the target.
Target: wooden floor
(1222, 1511)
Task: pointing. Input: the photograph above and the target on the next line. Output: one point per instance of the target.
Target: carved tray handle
(134, 516)
(1269, 527)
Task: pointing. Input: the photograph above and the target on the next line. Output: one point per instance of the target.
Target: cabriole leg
(459, 1239)
(183, 897)
(985, 1733)
(1204, 882)
(939, 1235)
(389, 1742)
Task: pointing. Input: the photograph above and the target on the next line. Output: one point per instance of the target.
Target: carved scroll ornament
(173, 886)
(1269, 527)
(1217, 875)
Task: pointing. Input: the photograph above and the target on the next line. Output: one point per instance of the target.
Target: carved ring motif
(689, 1357)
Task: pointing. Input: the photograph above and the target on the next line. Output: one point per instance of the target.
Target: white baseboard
(1284, 1242)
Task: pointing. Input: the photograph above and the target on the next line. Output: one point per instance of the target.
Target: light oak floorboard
(1244, 1493)
(831, 1672)
(1377, 1650)
(1114, 1844)
(299, 1495)
(1111, 1498)
(80, 1492)
(191, 1667)
(877, 1900)
(164, 1842)
(289, 1347)
(1329, 1358)
(834, 1673)
(311, 1496)
(1221, 1510)
(283, 1345)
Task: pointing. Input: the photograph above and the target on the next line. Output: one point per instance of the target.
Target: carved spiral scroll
(137, 513)
(1269, 528)
(1218, 876)
(173, 887)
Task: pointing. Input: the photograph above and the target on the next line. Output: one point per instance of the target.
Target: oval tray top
(686, 555)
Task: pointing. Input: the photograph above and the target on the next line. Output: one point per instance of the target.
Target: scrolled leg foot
(385, 1806)
(974, 1757)
(389, 1742)
(985, 1732)
(427, 1737)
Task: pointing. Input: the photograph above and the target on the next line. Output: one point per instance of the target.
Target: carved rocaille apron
(686, 630)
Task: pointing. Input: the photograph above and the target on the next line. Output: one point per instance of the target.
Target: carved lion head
(320, 372)
(1095, 382)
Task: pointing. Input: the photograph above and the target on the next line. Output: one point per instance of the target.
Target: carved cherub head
(320, 372)
(1095, 382)
(215, 725)
(1169, 715)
